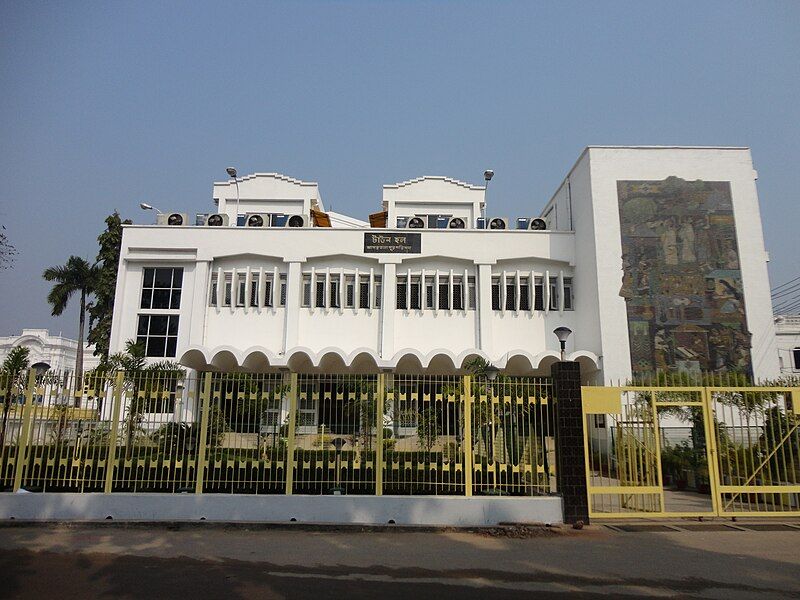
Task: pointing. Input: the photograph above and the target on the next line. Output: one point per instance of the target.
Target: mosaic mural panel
(681, 279)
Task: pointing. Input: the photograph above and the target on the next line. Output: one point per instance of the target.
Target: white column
(546, 291)
(484, 307)
(247, 284)
(294, 281)
(202, 276)
(388, 304)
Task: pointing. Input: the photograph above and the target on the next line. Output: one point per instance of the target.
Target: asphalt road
(212, 561)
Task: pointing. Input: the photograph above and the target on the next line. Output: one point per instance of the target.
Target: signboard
(392, 243)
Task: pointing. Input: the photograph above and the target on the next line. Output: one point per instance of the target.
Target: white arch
(467, 353)
(317, 360)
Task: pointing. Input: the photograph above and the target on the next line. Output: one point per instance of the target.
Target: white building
(49, 351)
(787, 332)
(653, 257)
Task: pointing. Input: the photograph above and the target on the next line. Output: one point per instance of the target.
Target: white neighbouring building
(49, 352)
(787, 332)
(653, 256)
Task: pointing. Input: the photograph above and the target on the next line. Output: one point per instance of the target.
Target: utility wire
(777, 287)
(794, 288)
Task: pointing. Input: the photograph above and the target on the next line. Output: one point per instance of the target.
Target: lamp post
(145, 206)
(487, 177)
(232, 174)
(562, 333)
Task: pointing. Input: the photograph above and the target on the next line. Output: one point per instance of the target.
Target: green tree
(77, 276)
(12, 373)
(101, 310)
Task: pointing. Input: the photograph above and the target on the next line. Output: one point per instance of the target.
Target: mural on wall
(681, 279)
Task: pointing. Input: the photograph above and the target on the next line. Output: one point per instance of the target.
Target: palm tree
(77, 276)
(11, 373)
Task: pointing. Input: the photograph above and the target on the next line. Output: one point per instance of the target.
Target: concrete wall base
(367, 510)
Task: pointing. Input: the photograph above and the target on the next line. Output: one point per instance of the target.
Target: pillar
(570, 449)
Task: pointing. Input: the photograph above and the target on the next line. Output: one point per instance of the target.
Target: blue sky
(105, 105)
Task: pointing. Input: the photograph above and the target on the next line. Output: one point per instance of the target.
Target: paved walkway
(215, 561)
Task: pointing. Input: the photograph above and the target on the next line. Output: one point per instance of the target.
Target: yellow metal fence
(692, 451)
(280, 433)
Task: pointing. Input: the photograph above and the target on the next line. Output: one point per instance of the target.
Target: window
(495, 293)
(796, 358)
(226, 301)
(429, 292)
(444, 293)
(306, 300)
(283, 290)
(158, 334)
(538, 289)
(554, 293)
(511, 293)
(472, 294)
(416, 294)
(350, 291)
(334, 291)
(363, 291)
(240, 297)
(212, 300)
(319, 299)
(307, 413)
(524, 294)
(458, 294)
(254, 290)
(378, 291)
(161, 288)
(401, 292)
(567, 293)
(268, 291)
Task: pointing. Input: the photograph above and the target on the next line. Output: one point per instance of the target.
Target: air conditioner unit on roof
(257, 220)
(217, 220)
(456, 223)
(498, 223)
(416, 223)
(172, 219)
(538, 224)
(296, 221)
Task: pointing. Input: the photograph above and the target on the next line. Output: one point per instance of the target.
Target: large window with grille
(161, 288)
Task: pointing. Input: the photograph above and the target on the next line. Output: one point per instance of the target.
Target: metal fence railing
(277, 433)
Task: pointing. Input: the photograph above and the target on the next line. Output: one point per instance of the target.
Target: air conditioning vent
(538, 224)
(172, 219)
(218, 220)
(456, 223)
(257, 220)
(296, 221)
(498, 223)
(416, 223)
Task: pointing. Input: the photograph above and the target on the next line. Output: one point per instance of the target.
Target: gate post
(570, 449)
(21, 462)
(379, 410)
(291, 433)
(201, 462)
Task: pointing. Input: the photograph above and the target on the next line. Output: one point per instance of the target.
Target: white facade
(49, 351)
(316, 299)
(787, 333)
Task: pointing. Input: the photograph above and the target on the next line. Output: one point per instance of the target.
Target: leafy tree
(12, 373)
(143, 380)
(7, 250)
(77, 276)
(101, 310)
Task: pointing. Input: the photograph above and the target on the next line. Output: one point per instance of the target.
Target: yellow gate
(692, 451)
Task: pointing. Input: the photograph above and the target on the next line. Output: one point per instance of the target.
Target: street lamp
(491, 372)
(145, 206)
(232, 174)
(487, 177)
(562, 333)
